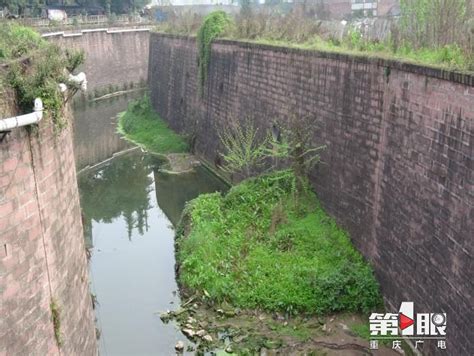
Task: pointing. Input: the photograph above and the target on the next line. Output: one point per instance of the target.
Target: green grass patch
(143, 126)
(257, 247)
(449, 57)
(17, 41)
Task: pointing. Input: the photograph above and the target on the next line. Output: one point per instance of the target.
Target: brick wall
(113, 57)
(398, 172)
(42, 254)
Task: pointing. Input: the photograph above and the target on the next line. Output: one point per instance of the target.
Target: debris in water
(179, 346)
(189, 333)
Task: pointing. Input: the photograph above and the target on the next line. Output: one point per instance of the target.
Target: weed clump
(257, 247)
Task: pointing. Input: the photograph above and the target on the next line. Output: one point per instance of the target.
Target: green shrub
(38, 75)
(16, 41)
(251, 248)
(41, 79)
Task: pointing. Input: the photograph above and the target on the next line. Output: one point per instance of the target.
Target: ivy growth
(213, 25)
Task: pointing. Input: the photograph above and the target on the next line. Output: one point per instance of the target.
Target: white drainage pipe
(79, 79)
(23, 120)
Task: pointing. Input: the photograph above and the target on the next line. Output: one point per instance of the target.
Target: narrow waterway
(95, 137)
(130, 209)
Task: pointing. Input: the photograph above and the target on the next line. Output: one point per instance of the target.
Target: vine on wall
(213, 25)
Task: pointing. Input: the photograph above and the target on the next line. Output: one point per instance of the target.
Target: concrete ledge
(82, 32)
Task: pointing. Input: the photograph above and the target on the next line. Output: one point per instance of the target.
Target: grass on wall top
(296, 31)
(143, 126)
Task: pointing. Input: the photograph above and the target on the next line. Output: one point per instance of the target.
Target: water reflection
(119, 188)
(128, 205)
(95, 137)
(172, 200)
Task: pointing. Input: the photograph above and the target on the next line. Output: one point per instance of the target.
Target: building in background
(332, 9)
(373, 8)
(339, 9)
(364, 7)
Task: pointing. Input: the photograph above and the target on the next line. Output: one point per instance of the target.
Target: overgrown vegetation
(434, 33)
(16, 41)
(245, 151)
(142, 125)
(295, 144)
(256, 248)
(428, 23)
(268, 244)
(56, 319)
(35, 7)
(35, 68)
(213, 25)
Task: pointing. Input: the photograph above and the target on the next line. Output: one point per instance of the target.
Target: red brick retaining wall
(42, 253)
(398, 173)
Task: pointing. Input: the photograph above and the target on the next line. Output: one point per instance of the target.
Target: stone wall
(114, 58)
(398, 164)
(42, 253)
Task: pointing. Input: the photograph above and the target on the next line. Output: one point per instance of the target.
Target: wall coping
(82, 32)
(405, 66)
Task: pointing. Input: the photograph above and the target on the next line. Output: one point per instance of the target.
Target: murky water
(129, 208)
(95, 137)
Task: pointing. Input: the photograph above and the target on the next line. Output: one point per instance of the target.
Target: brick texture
(112, 57)
(398, 172)
(42, 253)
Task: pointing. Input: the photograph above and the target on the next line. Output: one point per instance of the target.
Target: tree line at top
(91, 7)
